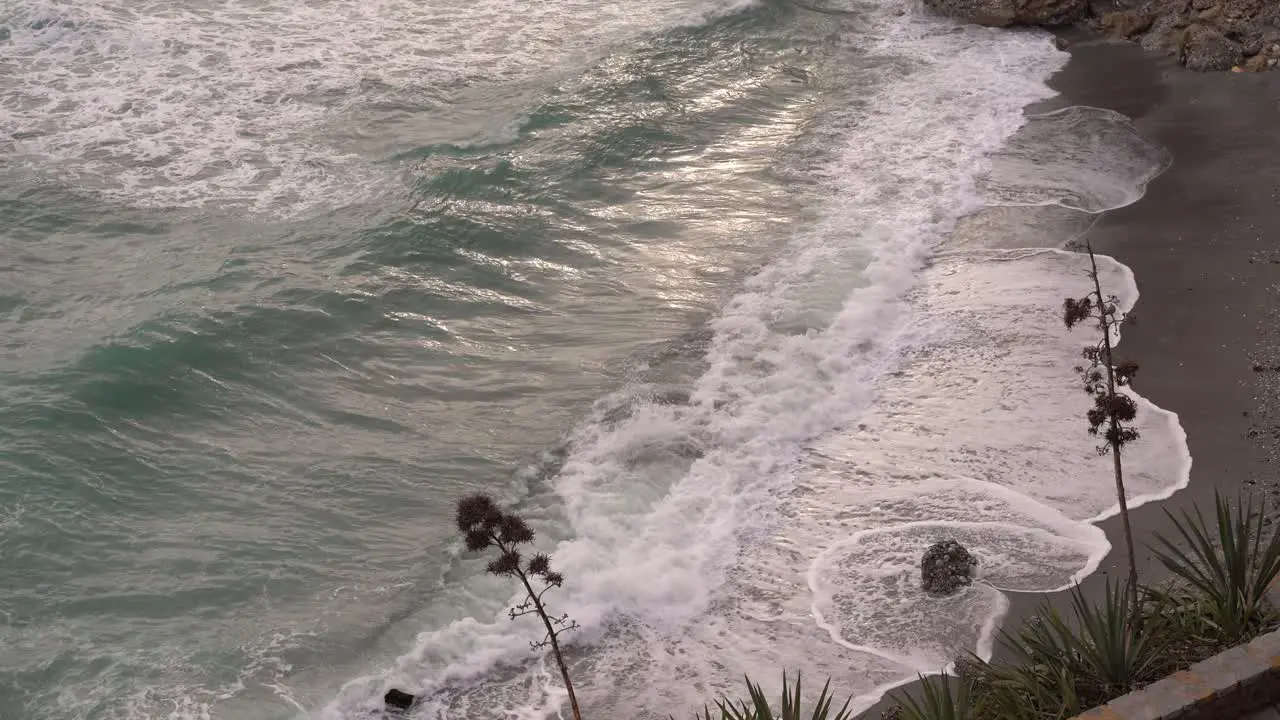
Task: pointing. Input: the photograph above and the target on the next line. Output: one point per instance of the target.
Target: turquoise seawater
(231, 431)
(280, 281)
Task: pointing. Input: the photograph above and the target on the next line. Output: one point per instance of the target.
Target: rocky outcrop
(1205, 49)
(1204, 35)
(946, 567)
(1127, 24)
(1003, 13)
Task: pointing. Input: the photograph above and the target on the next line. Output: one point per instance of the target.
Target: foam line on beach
(1019, 333)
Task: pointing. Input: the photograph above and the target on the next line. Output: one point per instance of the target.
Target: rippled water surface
(280, 281)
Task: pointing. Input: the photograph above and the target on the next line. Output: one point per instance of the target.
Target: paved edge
(1238, 681)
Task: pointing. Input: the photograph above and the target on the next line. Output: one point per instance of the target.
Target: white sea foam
(277, 105)
(859, 401)
(1048, 184)
(979, 437)
(1079, 157)
(707, 537)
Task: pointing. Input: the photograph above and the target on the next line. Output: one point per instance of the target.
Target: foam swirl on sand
(980, 436)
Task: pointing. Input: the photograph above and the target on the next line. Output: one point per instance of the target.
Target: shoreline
(1206, 268)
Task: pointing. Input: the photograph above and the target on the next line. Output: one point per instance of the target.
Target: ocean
(742, 303)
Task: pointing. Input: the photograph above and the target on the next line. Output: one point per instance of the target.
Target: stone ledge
(1238, 681)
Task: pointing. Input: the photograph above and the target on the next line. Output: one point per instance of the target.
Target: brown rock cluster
(1205, 35)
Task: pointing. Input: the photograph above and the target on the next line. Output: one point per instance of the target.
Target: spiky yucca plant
(1064, 665)
(942, 697)
(1103, 647)
(790, 707)
(1229, 566)
(1026, 692)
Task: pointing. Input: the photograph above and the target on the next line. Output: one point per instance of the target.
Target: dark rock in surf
(946, 567)
(398, 701)
(1003, 13)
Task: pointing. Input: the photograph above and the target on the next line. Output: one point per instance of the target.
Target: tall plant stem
(1113, 436)
(555, 643)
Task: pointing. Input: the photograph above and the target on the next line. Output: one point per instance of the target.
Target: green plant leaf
(790, 704)
(1230, 566)
(940, 699)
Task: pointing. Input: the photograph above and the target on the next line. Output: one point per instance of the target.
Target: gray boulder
(1207, 50)
(1003, 13)
(946, 567)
